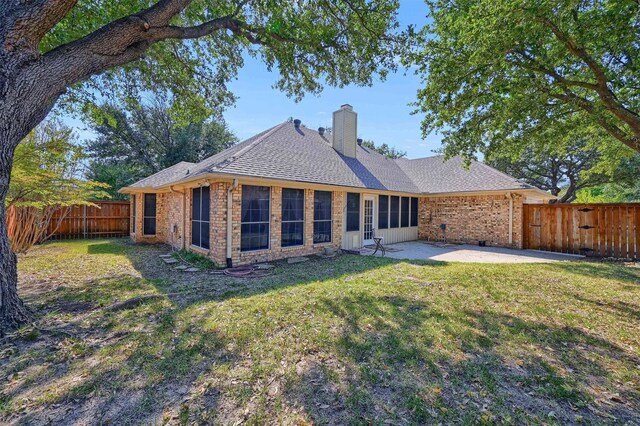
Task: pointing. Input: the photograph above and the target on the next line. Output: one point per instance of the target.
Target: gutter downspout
(510, 196)
(229, 221)
(184, 214)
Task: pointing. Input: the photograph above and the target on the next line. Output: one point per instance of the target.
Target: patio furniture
(379, 246)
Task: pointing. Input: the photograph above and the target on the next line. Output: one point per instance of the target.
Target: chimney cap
(297, 122)
(346, 106)
(321, 131)
(359, 141)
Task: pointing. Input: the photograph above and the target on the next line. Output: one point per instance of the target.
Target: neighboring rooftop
(286, 152)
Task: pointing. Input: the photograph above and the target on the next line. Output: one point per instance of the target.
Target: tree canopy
(46, 179)
(562, 159)
(205, 43)
(47, 170)
(623, 187)
(138, 140)
(384, 149)
(499, 71)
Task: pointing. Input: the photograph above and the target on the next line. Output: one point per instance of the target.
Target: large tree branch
(607, 97)
(117, 43)
(24, 24)
(569, 97)
(533, 65)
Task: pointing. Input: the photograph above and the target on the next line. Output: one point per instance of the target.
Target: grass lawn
(348, 340)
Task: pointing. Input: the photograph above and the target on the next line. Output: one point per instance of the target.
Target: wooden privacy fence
(108, 219)
(602, 230)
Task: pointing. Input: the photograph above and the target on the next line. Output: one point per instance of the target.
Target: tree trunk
(13, 312)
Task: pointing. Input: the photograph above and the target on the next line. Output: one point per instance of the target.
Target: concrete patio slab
(421, 250)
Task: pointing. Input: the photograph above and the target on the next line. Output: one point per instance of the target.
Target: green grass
(350, 340)
(195, 259)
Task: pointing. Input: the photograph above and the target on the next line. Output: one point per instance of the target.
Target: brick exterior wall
(471, 219)
(162, 227)
(175, 215)
(275, 250)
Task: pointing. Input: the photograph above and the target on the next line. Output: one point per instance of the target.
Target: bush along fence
(599, 230)
(29, 225)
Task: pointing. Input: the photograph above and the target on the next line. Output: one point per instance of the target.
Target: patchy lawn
(349, 340)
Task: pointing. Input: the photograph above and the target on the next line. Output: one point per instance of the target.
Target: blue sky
(384, 113)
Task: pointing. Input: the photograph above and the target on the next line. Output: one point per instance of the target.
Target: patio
(424, 250)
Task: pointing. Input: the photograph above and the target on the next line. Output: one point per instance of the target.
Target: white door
(368, 220)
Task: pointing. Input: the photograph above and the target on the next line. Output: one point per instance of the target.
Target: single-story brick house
(292, 191)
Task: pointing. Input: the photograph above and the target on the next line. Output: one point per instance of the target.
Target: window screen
(322, 217)
(383, 212)
(200, 203)
(394, 212)
(414, 211)
(353, 212)
(292, 217)
(404, 212)
(254, 227)
(149, 214)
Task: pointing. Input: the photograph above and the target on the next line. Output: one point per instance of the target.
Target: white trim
(365, 198)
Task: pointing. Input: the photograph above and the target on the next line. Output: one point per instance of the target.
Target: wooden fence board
(605, 230)
(108, 219)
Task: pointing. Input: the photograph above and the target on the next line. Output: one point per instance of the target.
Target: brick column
(308, 218)
(235, 221)
(275, 221)
(338, 217)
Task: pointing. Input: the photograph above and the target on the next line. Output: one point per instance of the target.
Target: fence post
(84, 226)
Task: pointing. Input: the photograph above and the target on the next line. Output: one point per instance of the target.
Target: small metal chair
(379, 246)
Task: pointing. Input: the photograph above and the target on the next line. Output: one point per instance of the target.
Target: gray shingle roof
(284, 152)
(287, 153)
(165, 176)
(435, 175)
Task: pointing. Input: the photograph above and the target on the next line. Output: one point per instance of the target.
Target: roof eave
(537, 191)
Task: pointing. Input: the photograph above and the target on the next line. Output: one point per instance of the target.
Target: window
(353, 212)
(292, 217)
(149, 214)
(394, 212)
(254, 227)
(200, 202)
(404, 212)
(383, 212)
(321, 217)
(133, 215)
(414, 211)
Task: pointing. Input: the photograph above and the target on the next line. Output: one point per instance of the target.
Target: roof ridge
(225, 163)
(421, 158)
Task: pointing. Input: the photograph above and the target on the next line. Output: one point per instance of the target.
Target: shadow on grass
(402, 361)
(603, 270)
(618, 307)
(389, 357)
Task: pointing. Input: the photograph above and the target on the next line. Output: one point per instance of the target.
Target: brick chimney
(344, 131)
